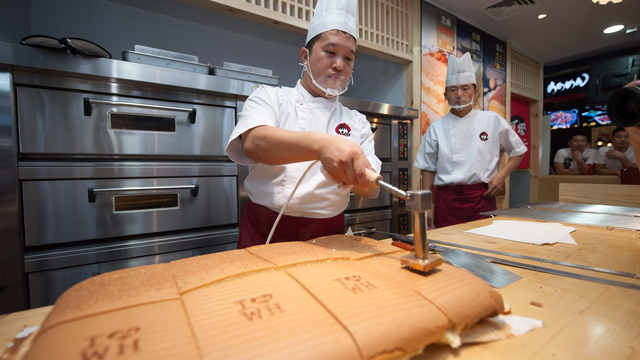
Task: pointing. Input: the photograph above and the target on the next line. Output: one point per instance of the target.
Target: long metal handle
(92, 191)
(88, 108)
(376, 181)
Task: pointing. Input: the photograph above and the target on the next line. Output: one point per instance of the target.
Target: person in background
(459, 152)
(281, 131)
(634, 131)
(577, 159)
(610, 160)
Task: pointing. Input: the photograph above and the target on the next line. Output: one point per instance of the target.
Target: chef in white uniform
(281, 131)
(459, 152)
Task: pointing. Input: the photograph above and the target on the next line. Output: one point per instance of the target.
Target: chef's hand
(496, 186)
(345, 161)
(429, 219)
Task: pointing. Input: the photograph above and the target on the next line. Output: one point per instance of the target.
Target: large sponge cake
(337, 297)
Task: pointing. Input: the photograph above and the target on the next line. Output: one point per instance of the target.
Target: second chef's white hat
(334, 15)
(460, 71)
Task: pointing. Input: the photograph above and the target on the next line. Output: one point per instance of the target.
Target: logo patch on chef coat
(484, 136)
(343, 129)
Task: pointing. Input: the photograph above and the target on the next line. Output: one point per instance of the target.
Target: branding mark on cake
(259, 307)
(123, 341)
(355, 284)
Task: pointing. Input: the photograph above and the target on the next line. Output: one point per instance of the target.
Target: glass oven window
(136, 122)
(151, 202)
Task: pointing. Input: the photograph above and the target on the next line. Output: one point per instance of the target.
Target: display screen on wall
(579, 116)
(470, 41)
(495, 86)
(564, 118)
(595, 116)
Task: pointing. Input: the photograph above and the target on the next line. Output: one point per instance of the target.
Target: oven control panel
(403, 183)
(403, 141)
(401, 174)
(403, 222)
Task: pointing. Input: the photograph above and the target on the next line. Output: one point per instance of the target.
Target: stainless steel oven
(119, 175)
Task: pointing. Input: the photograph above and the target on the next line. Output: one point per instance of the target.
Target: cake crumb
(535, 303)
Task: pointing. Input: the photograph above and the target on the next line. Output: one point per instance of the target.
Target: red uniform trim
(461, 203)
(257, 221)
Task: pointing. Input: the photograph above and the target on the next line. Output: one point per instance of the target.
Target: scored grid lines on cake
(384, 301)
(242, 317)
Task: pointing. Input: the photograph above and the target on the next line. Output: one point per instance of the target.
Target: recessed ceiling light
(542, 16)
(614, 28)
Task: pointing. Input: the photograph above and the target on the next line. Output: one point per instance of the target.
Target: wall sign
(560, 86)
(446, 32)
(569, 84)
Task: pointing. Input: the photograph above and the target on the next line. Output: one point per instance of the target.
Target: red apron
(461, 203)
(257, 221)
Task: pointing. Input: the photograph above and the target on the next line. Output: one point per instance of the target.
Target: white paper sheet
(528, 232)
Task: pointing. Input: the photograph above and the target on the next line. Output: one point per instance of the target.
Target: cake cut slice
(293, 253)
(462, 296)
(197, 271)
(353, 247)
(153, 331)
(265, 315)
(386, 319)
(112, 291)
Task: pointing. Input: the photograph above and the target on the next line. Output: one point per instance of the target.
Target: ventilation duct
(507, 8)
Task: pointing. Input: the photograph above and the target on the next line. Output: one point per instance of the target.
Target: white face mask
(460, 107)
(340, 84)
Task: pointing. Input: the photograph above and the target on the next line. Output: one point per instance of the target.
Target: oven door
(68, 123)
(60, 211)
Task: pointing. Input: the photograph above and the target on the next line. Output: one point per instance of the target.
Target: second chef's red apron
(257, 221)
(461, 203)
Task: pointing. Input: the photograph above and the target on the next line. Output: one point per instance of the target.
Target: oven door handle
(88, 108)
(93, 191)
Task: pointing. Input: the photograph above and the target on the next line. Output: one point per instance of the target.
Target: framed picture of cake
(438, 43)
(495, 66)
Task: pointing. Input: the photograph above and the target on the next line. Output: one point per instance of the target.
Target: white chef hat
(460, 71)
(334, 15)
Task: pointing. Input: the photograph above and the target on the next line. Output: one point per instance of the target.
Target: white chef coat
(613, 164)
(296, 109)
(466, 150)
(563, 156)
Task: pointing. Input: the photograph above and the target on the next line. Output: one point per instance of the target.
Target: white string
(287, 203)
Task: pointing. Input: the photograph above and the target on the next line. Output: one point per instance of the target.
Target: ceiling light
(542, 16)
(604, 2)
(614, 28)
(632, 29)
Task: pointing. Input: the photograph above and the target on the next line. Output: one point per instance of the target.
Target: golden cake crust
(279, 301)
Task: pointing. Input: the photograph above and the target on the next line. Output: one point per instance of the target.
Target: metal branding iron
(418, 202)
